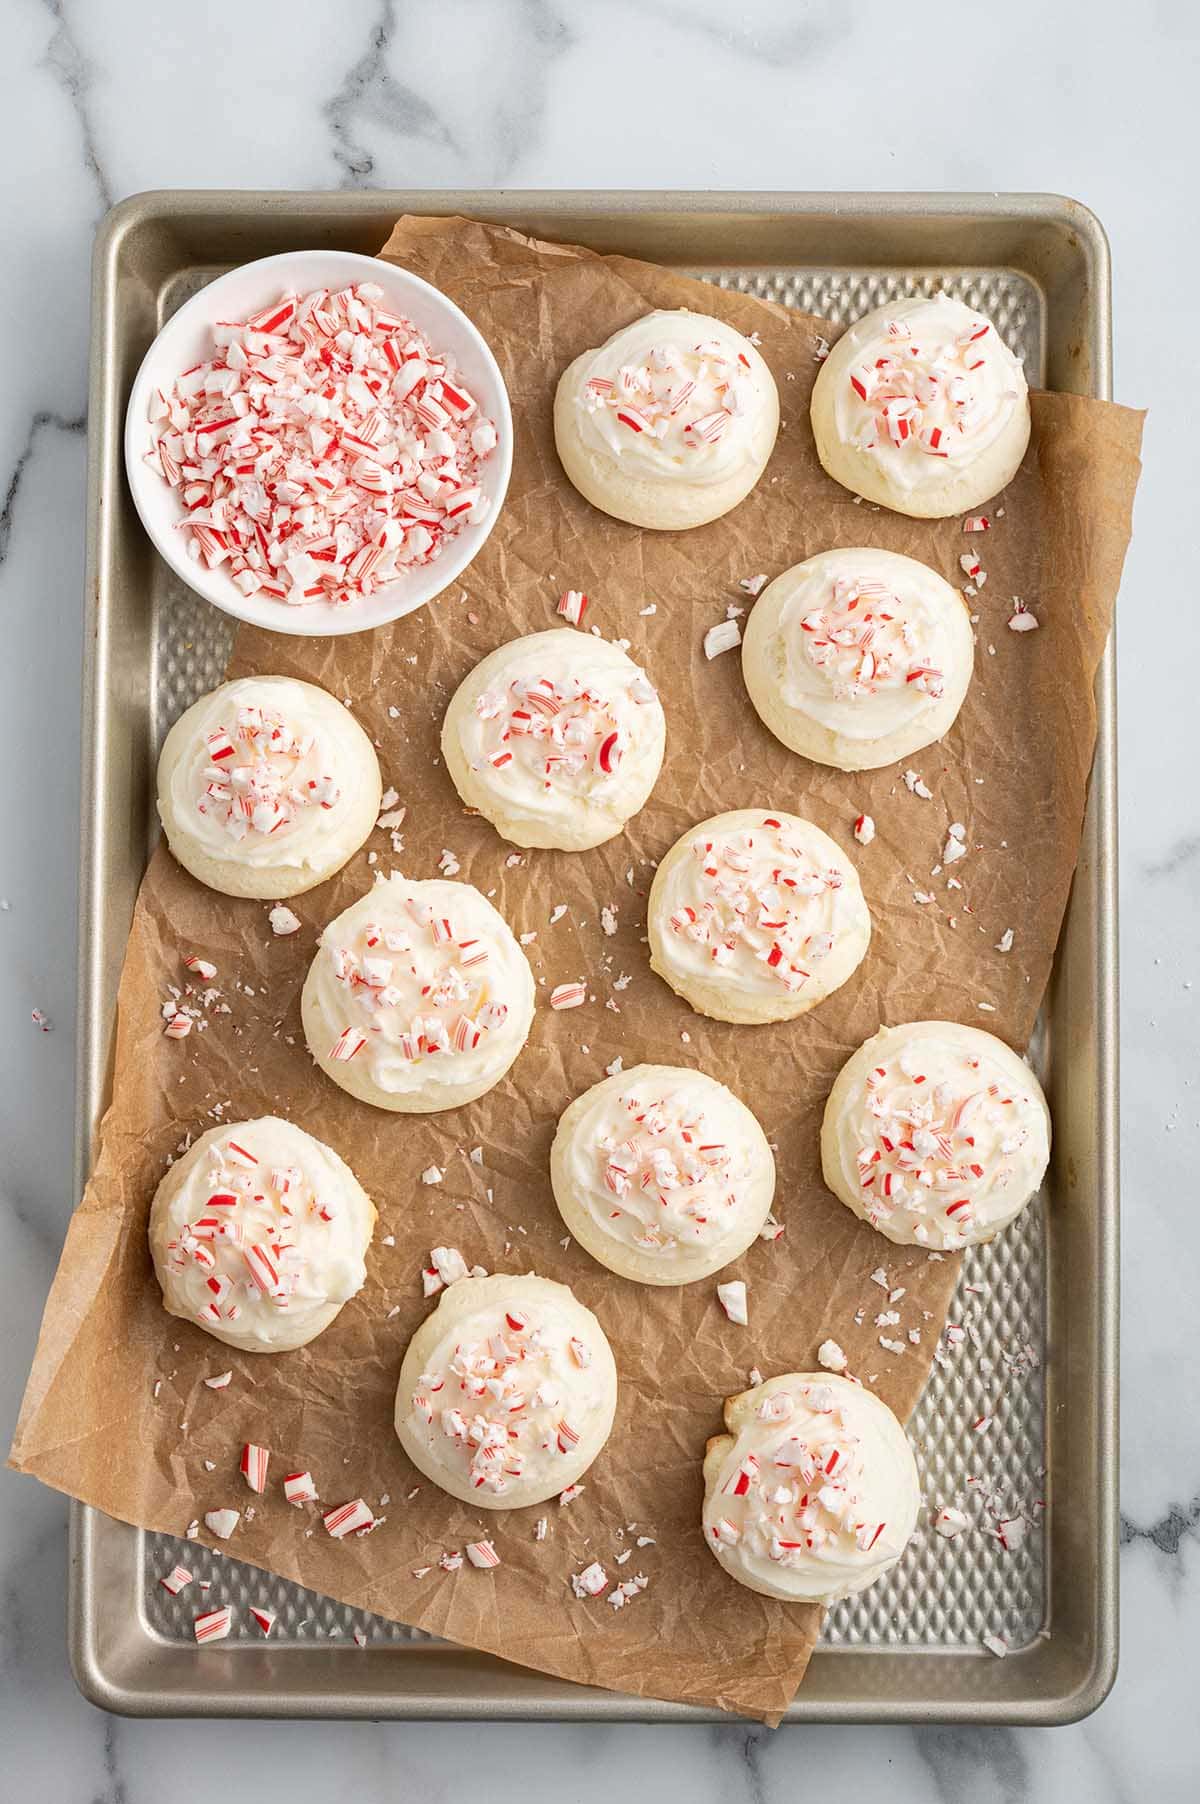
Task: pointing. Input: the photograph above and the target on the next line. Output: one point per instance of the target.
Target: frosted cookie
(858, 658)
(662, 1174)
(556, 738)
(419, 997)
(936, 1134)
(756, 917)
(669, 423)
(259, 1233)
(813, 1494)
(507, 1391)
(266, 787)
(922, 407)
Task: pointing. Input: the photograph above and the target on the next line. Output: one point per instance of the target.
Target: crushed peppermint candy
(220, 1381)
(1005, 942)
(569, 1495)
(175, 1580)
(214, 1625)
(222, 1522)
(253, 1466)
(949, 1522)
(622, 1594)
(955, 847)
(1021, 620)
(353, 1518)
(732, 1298)
(590, 1582)
(831, 1356)
(482, 1554)
(41, 1020)
(432, 1174)
(976, 523)
(722, 637)
(914, 783)
(572, 606)
(324, 450)
(864, 829)
(568, 995)
(995, 1644)
(283, 921)
(299, 1487)
(752, 585)
(265, 1619)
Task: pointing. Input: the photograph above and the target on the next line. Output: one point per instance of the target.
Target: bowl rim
(218, 589)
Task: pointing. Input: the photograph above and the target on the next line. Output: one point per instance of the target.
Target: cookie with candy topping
(756, 916)
(662, 1174)
(419, 997)
(507, 1391)
(856, 658)
(813, 1493)
(669, 423)
(259, 1234)
(936, 1134)
(557, 738)
(266, 787)
(922, 407)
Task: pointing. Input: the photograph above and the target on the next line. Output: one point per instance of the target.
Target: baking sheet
(538, 623)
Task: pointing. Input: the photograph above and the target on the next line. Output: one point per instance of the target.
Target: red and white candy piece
(253, 1466)
(265, 1619)
(200, 966)
(214, 1625)
(222, 1522)
(175, 1580)
(298, 1487)
(572, 606)
(348, 1519)
(482, 1554)
(732, 1298)
(568, 995)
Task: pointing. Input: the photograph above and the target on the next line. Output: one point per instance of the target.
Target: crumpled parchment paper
(1013, 770)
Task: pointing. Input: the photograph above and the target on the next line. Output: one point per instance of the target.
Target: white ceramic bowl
(186, 339)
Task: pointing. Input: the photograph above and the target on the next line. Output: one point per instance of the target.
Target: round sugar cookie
(857, 658)
(756, 916)
(935, 1133)
(557, 738)
(813, 1493)
(922, 407)
(669, 423)
(259, 1233)
(419, 997)
(662, 1174)
(507, 1391)
(266, 787)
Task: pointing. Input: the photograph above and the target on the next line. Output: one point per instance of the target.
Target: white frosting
(662, 1174)
(557, 738)
(259, 1233)
(507, 1391)
(940, 387)
(419, 996)
(675, 396)
(756, 916)
(871, 648)
(266, 772)
(814, 1493)
(936, 1134)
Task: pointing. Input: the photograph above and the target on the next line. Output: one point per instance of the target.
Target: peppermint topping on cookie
(259, 774)
(671, 1177)
(935, 380)
(865, 640)
(761, 903)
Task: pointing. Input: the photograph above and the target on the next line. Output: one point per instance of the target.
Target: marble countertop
(104, 98)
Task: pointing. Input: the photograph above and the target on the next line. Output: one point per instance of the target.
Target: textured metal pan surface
(912, 1646)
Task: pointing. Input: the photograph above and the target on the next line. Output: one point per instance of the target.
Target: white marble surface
(104, 97)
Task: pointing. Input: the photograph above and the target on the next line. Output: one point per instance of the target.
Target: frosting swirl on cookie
(814, 1493)
(928, 379)
(763, 904)
(514, 1394)
(261, 1229)
(937, 1134)
(664, 1163)
(675, 396)
(420, 983)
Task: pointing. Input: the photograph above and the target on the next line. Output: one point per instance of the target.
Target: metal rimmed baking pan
(911, 1649)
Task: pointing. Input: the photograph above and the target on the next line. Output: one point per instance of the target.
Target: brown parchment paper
(1013, 769)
